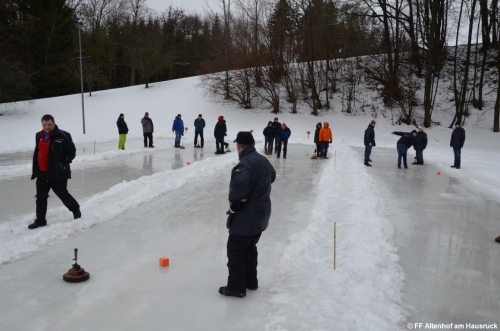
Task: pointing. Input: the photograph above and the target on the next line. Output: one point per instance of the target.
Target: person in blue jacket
(282, 138)
(178, 128)
(199, 125)
(403, 144)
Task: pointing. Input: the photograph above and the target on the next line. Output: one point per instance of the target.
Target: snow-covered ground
(141, 204)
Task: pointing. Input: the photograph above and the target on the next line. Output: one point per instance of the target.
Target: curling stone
(76, 274)
(497, 239)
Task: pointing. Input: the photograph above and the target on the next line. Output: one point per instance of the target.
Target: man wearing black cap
(277, 128)
(147, 130)
(405, 142)
(248, 215)
(199, 125)
(457, 142)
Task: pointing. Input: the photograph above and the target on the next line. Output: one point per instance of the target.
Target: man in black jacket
(457, 142)
(248, 215)
(54, 151)
(419, 144)
(277, 128)
(269, 138)
(369, 142)
(219, 133)
(122, 131)
(317, 142)
(405, 142)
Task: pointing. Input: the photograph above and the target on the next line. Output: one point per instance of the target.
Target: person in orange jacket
(325, 139)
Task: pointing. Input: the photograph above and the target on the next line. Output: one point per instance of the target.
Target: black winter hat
(244, 138)
(414, 131)
(270, 122)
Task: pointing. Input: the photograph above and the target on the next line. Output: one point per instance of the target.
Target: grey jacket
(147, 125)
(250, 179)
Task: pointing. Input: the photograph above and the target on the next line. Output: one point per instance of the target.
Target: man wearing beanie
(277, 128)
(178, 128)
(248, 215)
(282, 139)
(457, 142)
(147, 130)
(219, 133)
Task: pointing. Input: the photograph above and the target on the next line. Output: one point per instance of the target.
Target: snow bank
(364, 293)
(16, 241)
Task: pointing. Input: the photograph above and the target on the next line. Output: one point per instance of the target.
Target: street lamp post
(79, 23)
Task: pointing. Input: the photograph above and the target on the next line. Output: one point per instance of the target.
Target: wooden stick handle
(334, 245)
(76, 254)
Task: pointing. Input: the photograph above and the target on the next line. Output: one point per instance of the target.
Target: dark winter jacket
(199, 125)
(62, 151)
(122, 126)
(370, 136)
(284, 134)
(178, 125)
(269, 131)
(406, 138)
(251, 179)
(316, 133)
(277, 128)
(220, 129)
(457, 138)
(420, 141)
(147, 125)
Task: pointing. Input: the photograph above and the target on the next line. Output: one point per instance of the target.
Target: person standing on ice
(282, 138)
(147, 130)
(316, 141)
(405, 142)
(178, 128)
(199, 125)
(219, 134)
(122, 131)
(248, 215)
(54, 151)
(369, 142)
(269, 138)
(277, 128)
(419, 144)
(325, 139)
(457, 142)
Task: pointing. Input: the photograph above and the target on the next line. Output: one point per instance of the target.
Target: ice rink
(443, 231)
(127, 289)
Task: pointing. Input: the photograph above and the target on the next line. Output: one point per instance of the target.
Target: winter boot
(176, 145)
(254, 288)
(37, 224)
(368, 164)
(182, 146)
(223, 290)
(325, 157)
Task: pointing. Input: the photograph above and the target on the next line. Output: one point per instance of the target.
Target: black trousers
(420, 157)
(146, 136)
(219, 144)
(318, 149)
(242, 262)
(201, 138)
(59, 187)
(285, 144)
(276, 143)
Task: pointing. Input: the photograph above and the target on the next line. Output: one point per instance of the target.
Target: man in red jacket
(54, 151)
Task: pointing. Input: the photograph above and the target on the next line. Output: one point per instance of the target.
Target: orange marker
(164, 262)
(439, 173)
(189, 163)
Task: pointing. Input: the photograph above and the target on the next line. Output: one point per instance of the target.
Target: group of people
(417, 139)
(178, 129)
(277, 134)
(323, 137)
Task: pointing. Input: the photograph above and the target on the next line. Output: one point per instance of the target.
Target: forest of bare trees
(258, 53)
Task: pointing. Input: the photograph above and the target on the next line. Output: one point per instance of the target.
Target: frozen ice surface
(129, 291)
(444, 231)
(17, 196)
